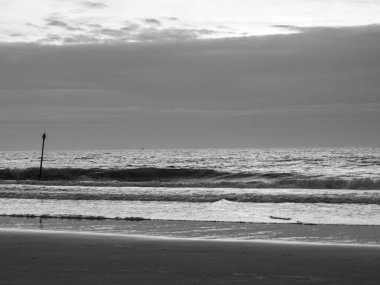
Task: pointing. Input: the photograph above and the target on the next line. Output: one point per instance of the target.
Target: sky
(112, 74)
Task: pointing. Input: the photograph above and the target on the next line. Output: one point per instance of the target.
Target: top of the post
(44, 136)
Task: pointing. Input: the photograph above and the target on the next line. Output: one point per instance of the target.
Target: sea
(293, 194)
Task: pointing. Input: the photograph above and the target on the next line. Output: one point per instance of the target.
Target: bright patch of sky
(96, 21)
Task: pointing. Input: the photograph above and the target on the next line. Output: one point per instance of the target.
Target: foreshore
(47, 257)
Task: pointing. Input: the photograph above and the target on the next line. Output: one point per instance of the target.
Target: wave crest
(135, 174)
(182, 177)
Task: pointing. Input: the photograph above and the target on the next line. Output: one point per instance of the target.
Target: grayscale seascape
(187, 142)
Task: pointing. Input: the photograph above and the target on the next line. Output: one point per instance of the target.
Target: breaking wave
(182, 177)
(212, 195)
(133, 175)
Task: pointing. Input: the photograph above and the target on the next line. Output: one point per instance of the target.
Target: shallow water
(327, 234)
(316, 213)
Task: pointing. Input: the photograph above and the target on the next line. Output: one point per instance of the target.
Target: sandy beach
(46, 257)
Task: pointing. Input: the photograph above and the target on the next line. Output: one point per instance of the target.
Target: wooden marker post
(42, 155)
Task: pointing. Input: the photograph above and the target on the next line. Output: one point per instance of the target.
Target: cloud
(75, 39)
(174, 19)
(170, 34)
(129, 26)
(59, 30)
(152, 21)
(288, 27)
(94, 5)
(225, 18)
(131, 32)
(54, 22)
(315, 88)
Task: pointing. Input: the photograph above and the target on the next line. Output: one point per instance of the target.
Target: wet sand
(43, 257)
(340, 234)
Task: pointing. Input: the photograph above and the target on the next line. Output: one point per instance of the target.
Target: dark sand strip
(38, 257)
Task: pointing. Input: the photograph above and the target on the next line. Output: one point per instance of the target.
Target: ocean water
(300, 186)
(318, 168)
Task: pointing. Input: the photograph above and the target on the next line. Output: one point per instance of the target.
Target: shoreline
(182, 239)
(116, 219)
(40, 257)
(281, 232)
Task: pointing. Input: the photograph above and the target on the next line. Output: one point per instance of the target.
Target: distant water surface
(319, 168)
